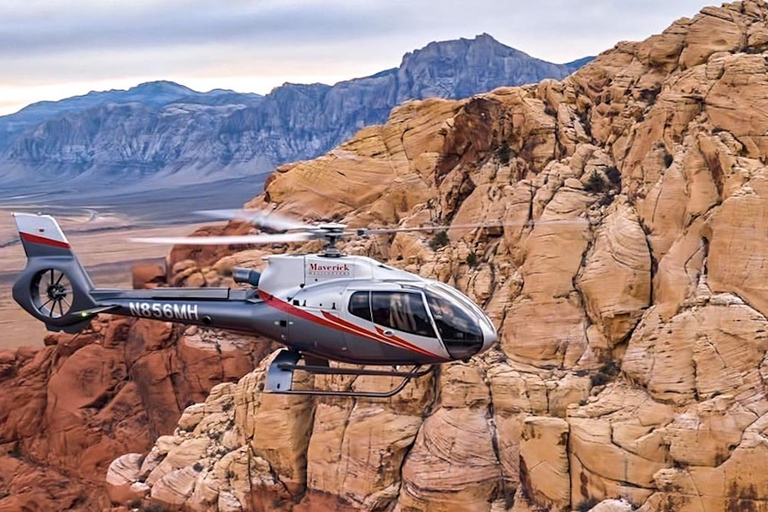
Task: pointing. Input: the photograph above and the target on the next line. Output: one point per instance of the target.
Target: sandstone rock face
(624, 270)
(121, 476)
(148, 275)
(613, 506)
(620, 256)
(544, 462)
(457, 434)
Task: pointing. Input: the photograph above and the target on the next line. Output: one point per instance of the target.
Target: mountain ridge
(180, 134)
(157, 92)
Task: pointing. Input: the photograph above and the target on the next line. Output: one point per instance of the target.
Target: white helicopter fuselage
(326, 307)
(356, 309)
(334, 307)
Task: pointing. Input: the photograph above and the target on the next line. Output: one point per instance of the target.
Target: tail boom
(224, 308)
(55, 289)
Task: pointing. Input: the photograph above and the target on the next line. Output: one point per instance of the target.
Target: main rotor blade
(228, 240)
(448, 227)
(263, 218)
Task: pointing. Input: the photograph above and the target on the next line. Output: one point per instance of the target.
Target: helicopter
(321, 307)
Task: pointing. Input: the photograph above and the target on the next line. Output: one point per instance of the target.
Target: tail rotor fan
(52, 293)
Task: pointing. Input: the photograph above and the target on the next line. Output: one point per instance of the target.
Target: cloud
(51, 27)
(179, 22)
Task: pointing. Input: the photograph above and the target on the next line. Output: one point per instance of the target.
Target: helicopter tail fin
(54, 287)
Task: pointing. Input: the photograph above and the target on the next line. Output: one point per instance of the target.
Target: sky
(52, 49)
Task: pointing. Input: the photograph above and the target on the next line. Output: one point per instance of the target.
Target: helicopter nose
(489, 336)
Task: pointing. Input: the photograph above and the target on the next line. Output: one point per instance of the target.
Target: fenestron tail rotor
(52, 293)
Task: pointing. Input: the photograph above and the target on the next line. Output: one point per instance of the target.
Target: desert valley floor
(99, 227)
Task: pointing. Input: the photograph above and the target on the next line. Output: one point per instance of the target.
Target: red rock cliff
(66, 410)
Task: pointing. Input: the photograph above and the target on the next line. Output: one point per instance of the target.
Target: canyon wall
(627, 283)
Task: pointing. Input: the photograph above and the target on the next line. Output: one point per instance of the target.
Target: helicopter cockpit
(426, 311)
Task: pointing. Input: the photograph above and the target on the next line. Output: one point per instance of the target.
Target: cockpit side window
(459, 331)
(402, 311)
(360, 305)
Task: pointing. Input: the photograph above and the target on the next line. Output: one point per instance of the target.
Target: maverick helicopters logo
(329, 270)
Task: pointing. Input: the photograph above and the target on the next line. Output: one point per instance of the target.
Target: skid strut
(280, 377)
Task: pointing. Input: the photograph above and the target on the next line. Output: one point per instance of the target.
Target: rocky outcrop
(625, 282)
(69, 407)
(172, 134)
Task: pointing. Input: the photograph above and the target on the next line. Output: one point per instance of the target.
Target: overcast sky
(51, 49)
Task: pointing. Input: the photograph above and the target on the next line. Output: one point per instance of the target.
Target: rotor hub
(332, 232)
(56, 292)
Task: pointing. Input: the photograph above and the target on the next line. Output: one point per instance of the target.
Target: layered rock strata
(68, 408)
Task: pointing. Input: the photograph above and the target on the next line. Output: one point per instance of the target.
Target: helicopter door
(358, 312)
(399, 315)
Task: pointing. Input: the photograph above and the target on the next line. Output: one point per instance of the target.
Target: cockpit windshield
(462, 299)
(459, 331)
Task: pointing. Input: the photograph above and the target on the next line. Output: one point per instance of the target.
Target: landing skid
(280, 377)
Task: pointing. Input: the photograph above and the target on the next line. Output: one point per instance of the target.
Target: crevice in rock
(491, 419)
(429, 410)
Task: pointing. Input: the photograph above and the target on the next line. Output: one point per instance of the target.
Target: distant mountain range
(168, 133)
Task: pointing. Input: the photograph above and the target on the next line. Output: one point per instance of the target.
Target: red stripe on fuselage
(340, 325)
(34, 239)
(389, 340)
(379, 336)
